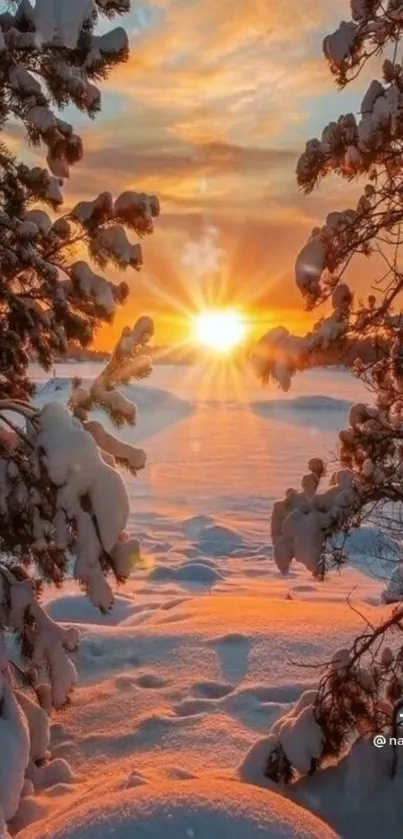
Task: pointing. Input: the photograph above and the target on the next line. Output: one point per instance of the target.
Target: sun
(219, 330)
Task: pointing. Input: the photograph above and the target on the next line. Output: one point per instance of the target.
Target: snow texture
(113, 242)
(299, 734)
(38, 725)
(60, 21)
(190, 809)
(310, 265)
(337, 47)
(110, 43)
(394, 590)
(4, 834)
(93, 285)
(74, 464)
(279, 354)
(193, 653)
(14, 750)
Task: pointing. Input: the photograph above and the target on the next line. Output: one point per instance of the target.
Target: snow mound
(191, 572)
(146, 397)
(14, 750)
(76, 608)
(303, 403)
(372, 539)
(219, 540)
(157, 408)
(195, 525)
(213, 539)
(149, 398)
(186, 810)
(372, 550)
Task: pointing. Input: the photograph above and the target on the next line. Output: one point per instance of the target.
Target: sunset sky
(210, 113)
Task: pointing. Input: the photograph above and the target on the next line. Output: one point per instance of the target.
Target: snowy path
(201, 652)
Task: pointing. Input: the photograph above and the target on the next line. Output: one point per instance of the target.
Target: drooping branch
(359, 695)
(128, 361)
(278, 355)
(62, 498)
(362, 688)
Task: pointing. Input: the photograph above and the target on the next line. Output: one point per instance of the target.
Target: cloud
(183, 175)
(210, 114)
(228, 70)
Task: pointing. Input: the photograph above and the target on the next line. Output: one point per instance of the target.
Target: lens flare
(219, 330)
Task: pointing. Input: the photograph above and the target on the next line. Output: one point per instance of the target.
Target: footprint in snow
(230, 638)
(173, 603)
(212, 690)
(150, 681)
(192, 707)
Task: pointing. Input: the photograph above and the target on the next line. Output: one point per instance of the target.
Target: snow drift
(157, 407)
(187, 810)
(14, 751)
(314, 402)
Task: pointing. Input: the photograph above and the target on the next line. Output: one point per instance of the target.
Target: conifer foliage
(62, 498)
(361, 689)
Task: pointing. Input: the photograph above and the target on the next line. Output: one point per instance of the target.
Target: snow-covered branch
(50, 55)
(62, 497)
(359, 695)
(127, 362)
(121, 453)
(361, 688)
(49, 662)
(344, 338)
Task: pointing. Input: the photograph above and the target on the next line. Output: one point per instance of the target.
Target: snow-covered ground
(180, 682)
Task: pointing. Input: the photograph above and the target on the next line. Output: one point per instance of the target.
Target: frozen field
(183, 679)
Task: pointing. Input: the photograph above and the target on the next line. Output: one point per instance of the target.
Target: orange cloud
(222, 70)
(207, 114)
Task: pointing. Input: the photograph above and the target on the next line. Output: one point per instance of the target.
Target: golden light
(219, 330)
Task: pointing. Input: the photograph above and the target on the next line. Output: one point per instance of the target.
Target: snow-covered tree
(366, 336)
(62, 497)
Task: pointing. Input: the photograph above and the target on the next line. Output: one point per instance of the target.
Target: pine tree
(62, 497)
(361, 689)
